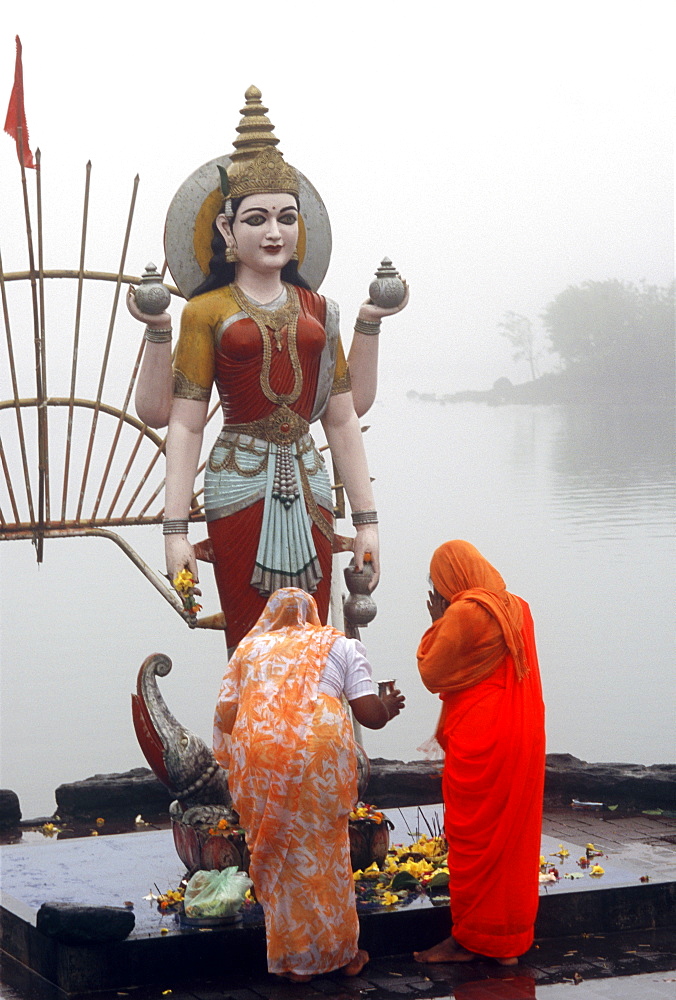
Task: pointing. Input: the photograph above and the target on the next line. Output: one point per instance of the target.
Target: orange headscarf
(481, 625)
(287, 608)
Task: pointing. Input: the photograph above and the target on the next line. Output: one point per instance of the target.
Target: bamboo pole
(15, 401)
(76, 338)
(39, 383)
(118, 430)
(127, 279)
(43, 421)
(106, 354)
(125, 474)
(144, 478)
(10, 490)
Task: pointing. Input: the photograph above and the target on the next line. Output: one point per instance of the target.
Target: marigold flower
(389, 898)
(184, 581)
(597, 871)
(417, 868)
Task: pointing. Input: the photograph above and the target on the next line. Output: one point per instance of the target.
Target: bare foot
(354, 967)
(447, 950)
(507, 961)
(294, 977)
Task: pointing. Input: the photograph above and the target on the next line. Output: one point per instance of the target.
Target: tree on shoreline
(614, 339)
(519, 332)
(613, 326)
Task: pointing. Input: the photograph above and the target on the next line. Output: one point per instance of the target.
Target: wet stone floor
(640, 965)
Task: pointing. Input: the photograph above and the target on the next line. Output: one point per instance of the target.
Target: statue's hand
(159, 321)
(180, 555)
(372, 313)
(365, 542)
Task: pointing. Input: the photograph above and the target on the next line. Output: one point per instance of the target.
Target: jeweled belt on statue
(282, 426)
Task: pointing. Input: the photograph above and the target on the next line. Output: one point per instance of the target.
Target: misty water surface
(571, 504)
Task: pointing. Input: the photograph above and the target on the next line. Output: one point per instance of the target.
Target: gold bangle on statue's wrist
(367, 326)
(360, 517)
(175, 526)
(158, 335)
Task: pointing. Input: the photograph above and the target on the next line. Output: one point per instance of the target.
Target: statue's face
(264, 231)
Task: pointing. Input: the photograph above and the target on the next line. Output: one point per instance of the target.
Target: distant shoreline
(571, 386)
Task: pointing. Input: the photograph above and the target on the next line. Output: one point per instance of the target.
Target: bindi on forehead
(268, 209)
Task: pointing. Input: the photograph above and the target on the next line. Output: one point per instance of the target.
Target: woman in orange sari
(479, 655)
(282, 731)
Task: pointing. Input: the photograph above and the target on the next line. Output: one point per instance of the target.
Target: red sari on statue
(480, 657)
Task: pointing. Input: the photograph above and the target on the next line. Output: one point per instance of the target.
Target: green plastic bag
(215, 894)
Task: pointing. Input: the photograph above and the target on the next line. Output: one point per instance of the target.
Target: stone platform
(123, 869)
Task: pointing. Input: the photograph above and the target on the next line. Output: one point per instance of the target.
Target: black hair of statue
(222, 272)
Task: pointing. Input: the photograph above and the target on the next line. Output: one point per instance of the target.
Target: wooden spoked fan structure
(76, 461)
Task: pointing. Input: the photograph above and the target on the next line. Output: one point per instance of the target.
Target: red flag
(16, 114)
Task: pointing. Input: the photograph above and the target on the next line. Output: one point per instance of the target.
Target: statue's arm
(363, 356)
(346, 442)
(184, 444)
(154, 387)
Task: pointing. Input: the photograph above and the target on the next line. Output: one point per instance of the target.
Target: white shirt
(347, 670)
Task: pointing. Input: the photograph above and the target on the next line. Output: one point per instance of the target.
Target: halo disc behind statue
(188, 232)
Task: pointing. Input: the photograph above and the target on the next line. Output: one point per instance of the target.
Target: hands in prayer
(436, 604)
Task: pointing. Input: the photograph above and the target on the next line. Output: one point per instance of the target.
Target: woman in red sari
(479, 655)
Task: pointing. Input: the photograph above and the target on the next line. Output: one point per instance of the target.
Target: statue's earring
(231, 255)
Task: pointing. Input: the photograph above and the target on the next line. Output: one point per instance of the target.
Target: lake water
(573, 505)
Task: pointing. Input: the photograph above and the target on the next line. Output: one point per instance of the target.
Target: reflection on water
(615, 468)
(510, 987)
(573, 506)
(611, 447)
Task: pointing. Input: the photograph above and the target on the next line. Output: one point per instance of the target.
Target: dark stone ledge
(113, 795)
(10, 810)
(392, 783)
(631, 786)
(74, 924)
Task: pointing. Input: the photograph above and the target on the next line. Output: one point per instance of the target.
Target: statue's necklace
(275, 320)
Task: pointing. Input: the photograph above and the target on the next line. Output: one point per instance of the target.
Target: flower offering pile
(406, 872)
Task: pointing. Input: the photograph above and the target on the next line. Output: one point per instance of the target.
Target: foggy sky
(496, 156)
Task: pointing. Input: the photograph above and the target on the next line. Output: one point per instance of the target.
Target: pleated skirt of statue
(493, 785)
(296, 813)
(235, 542)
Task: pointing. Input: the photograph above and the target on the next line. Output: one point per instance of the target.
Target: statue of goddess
(256, 328)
